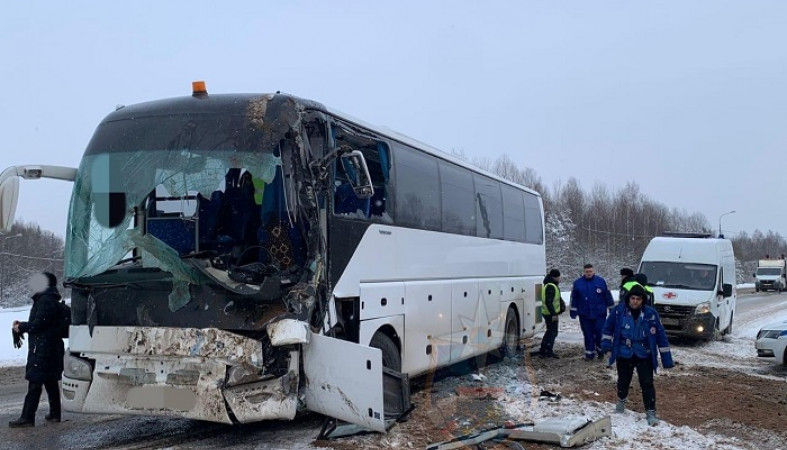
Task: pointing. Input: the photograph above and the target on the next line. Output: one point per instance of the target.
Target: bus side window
(376, 208)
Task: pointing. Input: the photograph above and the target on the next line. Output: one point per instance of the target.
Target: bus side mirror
(357, 172)
(726, 290)
(9, 195)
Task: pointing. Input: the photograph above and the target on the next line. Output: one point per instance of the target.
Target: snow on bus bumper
(180, 372)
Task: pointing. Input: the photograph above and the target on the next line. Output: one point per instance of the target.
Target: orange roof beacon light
(198, 88)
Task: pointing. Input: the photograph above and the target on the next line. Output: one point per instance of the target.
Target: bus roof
(237, 104)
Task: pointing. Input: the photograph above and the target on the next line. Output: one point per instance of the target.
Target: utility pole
(728, 212)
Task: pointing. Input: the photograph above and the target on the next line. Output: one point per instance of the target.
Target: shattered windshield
(676, 275)
(166, 189)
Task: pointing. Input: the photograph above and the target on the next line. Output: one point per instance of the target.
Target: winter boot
(21, 423)
(650, 415)
(52, 417)
(620, 408)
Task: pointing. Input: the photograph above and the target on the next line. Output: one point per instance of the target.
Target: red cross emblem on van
(669, 295)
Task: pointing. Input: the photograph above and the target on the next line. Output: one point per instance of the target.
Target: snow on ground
(10, 356)
(630, 431)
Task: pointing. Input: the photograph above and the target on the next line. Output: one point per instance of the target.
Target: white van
(693, 281)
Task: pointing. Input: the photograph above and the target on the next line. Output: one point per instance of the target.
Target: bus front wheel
(511, 336)
(391, 357)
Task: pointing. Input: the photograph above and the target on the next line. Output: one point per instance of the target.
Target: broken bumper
(173, 372)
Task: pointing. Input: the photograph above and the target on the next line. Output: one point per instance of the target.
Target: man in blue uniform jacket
(590, 300)
(636, 338)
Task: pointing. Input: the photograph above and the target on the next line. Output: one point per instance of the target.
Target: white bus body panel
(381, 300)
(466, 320)
(453, 291)
(344, 380)
(388, 253)
(427, 340)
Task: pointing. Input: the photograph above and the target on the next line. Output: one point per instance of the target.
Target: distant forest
(24, 250)
(609, 229)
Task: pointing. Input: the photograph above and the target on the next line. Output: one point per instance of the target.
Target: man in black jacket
(45, 350)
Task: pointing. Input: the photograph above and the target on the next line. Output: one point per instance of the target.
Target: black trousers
(34, 396)
(644, 368)
(549, 336)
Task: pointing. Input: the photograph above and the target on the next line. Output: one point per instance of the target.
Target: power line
(612, 233)
(30, 257)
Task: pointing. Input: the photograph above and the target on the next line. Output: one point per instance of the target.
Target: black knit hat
(641, 279)
(626, 272)
(554, 273)
(639, 291)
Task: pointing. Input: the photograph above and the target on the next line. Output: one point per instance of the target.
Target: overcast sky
(688, 99)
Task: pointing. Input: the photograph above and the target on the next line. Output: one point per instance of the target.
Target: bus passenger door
(344, 380)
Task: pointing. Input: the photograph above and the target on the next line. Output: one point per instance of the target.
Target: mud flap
(344, 380)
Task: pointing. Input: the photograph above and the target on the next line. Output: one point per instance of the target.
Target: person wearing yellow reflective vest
(550, 309)
(626, 275)
(641, 280)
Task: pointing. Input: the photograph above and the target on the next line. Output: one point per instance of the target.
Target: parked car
(772, 342)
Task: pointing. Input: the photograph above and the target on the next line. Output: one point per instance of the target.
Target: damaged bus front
(196, 255)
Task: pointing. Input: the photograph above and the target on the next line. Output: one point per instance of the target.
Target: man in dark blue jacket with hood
(634, 335)
(590, 300)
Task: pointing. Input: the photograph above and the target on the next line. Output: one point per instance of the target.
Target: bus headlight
(77, 368)
(702, 308)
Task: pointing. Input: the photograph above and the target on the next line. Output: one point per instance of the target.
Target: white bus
(236, 258)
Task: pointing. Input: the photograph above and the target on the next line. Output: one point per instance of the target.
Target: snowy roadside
(450, 407)
(461, 405)
(10, 356)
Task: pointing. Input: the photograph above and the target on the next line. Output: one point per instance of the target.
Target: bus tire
(728, 330)
(510, 334)
(391, 357)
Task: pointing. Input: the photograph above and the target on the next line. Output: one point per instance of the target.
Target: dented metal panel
(209, 343)
(344, 380)
(175, 372)
(275, 398)
(151, 391)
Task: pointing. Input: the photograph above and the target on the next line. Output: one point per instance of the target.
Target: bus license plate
(669, 321)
